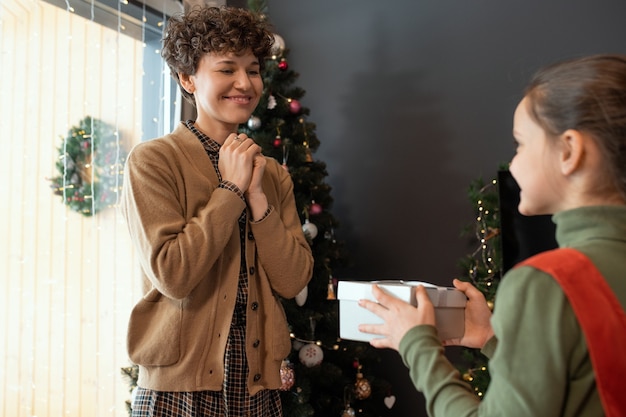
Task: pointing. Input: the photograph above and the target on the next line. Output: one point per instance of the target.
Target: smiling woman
(66, 288)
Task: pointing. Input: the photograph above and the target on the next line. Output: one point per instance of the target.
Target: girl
(570, 130)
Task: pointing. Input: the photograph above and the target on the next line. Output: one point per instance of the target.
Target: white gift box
(449, 307)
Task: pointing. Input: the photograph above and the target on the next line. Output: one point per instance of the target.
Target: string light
(316, 342)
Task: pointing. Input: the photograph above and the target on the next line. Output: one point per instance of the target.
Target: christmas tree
(324, 375)
(503, 238)
(483, 268)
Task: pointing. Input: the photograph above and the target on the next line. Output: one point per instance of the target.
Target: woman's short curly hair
(188, 37)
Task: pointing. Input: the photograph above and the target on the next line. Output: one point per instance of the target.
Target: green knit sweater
(539, 363)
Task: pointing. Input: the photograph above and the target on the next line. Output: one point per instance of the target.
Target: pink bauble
(294, 106)
(315, 209)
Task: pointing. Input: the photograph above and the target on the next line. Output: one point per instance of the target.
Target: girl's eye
(254, 72)
(227, 71)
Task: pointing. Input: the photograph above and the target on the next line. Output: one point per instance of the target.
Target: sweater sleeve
(179, 221)
(432, 374)
(282, 248)
(490, 347)
(535, 331)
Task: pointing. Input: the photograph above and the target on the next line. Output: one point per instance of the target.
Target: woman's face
(227, 88)
(535, 165)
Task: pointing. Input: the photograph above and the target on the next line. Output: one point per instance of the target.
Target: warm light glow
(74, 279)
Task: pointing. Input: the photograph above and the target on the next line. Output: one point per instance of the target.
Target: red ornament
(283, 65)
(294, 106)
(278, 141)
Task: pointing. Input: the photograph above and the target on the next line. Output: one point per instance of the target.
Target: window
(68, 281)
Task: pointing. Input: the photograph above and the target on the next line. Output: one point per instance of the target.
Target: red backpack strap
(601, 317)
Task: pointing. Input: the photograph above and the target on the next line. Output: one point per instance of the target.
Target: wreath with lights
(90, 167)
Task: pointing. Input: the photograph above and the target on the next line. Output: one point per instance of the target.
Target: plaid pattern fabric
(231, 187)
(212, 147)
(234, 399)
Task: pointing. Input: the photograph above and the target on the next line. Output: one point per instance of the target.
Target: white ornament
(311, 355)
(254, 122)
(309, 229)
(279, 45)
(271, 102)
(390, 401)
(302, 295)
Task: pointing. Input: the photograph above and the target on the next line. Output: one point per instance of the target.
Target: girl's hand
(399, 316)
(478, 328)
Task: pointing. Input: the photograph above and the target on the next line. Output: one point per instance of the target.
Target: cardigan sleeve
(179, 220)
(283, 250)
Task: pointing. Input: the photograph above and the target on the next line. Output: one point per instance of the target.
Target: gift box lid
(405, 290)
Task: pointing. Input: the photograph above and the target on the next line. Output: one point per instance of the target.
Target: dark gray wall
(413, 99)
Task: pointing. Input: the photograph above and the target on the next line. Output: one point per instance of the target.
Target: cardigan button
(256, 343)
(257, 377)
(251, 270)
(250, 236)
(254, 305)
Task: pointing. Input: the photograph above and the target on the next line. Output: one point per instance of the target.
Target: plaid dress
(233, 400)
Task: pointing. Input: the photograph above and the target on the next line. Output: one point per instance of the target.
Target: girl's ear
(572, 150)
(186, 82)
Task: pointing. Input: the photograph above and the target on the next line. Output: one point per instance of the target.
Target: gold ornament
(362, 387)
(348, 412)
(287, 375)
(331, 289)
(309, 155)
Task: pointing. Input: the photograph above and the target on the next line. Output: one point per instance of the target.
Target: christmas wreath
(90, 166)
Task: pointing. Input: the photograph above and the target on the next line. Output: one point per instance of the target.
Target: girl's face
(227, 89)
(535, 166)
